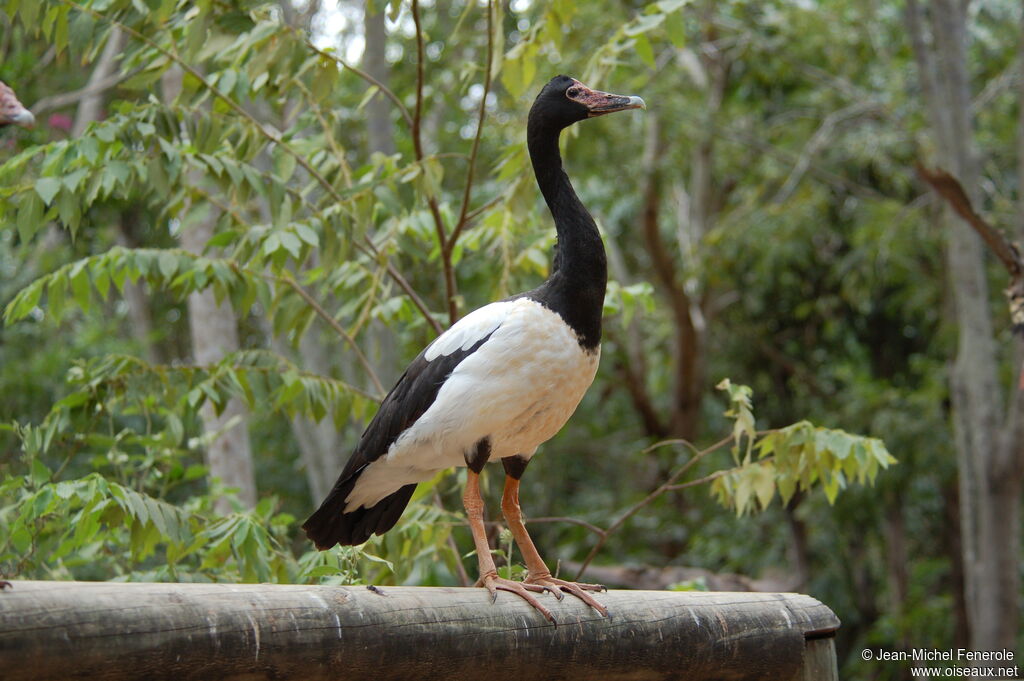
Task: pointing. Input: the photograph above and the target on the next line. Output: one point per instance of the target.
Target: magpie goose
(498, 383)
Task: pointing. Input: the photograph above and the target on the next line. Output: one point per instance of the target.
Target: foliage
(792, 459)
(784, 201)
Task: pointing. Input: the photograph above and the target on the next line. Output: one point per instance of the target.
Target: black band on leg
(515, 466)
(479, 455)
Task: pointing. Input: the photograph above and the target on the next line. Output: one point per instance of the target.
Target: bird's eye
(572, 92)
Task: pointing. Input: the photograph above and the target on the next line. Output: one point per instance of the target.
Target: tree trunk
(135, 295)
(214, 332)
(897, 564)
(91, 106)
(953, 547)
(320, 444)
(986, 445)
(687, 302)
(378, 110)
(691, 329)
(89, 110)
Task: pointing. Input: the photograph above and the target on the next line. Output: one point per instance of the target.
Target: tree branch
(54, 102)
(950, 189)
(338, 328)
(664, 267)
(451, 290)
(819, 140)
(658, 491)
(637, 388)
(387, 92)
(403, 284)
(467, 192)
(273, 137)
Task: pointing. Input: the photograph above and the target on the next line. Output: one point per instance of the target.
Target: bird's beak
(600, 103)
(24, 118)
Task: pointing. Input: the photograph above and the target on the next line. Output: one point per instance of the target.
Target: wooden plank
(105, 630)
(819, 661)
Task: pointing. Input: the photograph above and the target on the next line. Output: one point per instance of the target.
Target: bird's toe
(494, 584)
(579, 590)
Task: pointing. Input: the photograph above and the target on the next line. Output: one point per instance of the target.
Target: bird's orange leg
(489, 578)
(537, 573)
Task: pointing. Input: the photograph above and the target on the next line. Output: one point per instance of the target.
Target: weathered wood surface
(819, 661)
(103, 630)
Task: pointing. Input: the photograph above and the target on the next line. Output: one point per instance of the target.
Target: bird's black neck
(579, 274)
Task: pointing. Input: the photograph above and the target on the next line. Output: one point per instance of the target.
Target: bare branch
(417, 116)
(637, 388)
(997, 86)
(950, 189)
(467, 193)
(661, 489)
(477, 212)
(708, 478)
(661, 259)
(451, 289)
(820, 139)
(338, 328)
(739, 136)
(54, 102)
(387, 92)
(402, 284)
(547, 519)
(570, 521)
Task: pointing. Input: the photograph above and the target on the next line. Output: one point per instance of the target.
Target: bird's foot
(578, 589)
(494, 584)
(4, 584)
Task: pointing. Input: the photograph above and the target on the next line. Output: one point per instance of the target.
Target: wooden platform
(106, 630)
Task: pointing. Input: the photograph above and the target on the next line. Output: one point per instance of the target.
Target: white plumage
(517, 389)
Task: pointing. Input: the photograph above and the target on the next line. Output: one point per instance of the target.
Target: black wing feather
(412, 395)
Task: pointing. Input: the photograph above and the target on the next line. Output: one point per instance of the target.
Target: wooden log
(106, 630)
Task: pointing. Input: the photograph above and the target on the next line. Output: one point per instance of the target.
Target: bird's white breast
(517, 389)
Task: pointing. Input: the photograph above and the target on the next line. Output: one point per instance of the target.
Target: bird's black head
(565, 100)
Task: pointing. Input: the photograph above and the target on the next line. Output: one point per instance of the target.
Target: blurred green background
(236, 221)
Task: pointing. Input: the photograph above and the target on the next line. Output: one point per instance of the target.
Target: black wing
(412, 395)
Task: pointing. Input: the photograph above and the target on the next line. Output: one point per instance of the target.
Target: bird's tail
(331, 525)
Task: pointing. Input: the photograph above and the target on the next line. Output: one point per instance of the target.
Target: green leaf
(40, 473)
(644, 23)
(80, 284)
(306, 233)
(56, 292)
(284, 165)
(25, 301)
(675, 26)
(47, 188)
(168, 262)
(764, 483)
(291, 243)
(30, 216)
(645, 51)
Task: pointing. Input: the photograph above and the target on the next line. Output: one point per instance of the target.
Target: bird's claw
(494, 584)
(577, 589)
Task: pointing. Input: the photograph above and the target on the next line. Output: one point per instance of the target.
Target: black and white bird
(498, 383)
(11, 110)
